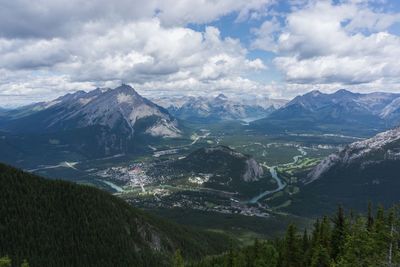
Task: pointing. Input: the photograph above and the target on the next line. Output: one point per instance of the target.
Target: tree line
(343, 240)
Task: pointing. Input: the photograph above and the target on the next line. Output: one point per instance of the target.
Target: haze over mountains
(220, 108)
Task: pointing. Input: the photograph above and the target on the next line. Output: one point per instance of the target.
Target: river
(278, 180)
(281, 184)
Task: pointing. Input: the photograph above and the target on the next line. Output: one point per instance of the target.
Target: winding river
(281, 184)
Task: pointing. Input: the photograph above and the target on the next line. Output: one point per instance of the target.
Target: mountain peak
(125, 88)
(221, 96)
(315, 93)
(343, 92)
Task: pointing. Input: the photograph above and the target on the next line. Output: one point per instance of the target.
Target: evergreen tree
(25, 264)
(291, 254)
(370, 218)
(320, 257)
(305, 241)
(306, 249)
(349, 243)
(338, 233)
(360, 248)
(5, 262)
(230, 259)
(270, 256)
(325, 234)
(178, 259)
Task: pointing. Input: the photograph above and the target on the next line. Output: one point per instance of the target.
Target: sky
(275, 48)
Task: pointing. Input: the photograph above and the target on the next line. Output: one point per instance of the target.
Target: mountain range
(219, 108)
(342, 111)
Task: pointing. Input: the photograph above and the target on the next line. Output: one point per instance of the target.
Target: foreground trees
(340, 241)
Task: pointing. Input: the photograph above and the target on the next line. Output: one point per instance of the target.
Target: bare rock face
(253, 171)
(383, 146)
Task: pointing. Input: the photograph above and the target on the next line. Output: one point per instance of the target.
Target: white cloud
(266, 35)
(55, 18)
(142, 53)
(57, 46)
(338, 45)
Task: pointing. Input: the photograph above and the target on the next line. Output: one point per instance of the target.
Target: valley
(202, 133)
(150, 183)
(229, 170)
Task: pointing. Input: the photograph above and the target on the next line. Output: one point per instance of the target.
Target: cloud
(266, 35)
(141, 53)
(337, 44)
(56, 18)
(57, 46)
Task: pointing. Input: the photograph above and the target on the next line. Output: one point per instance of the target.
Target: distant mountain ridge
(342, 110)
(219, 108)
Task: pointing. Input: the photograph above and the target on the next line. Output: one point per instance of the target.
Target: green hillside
(57, 223)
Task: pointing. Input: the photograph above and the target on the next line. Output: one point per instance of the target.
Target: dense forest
(57, 223)
(342, 240)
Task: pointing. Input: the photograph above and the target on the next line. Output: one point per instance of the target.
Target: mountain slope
(363, 171)
(56, 223)
(222, 160)
(342, 111)
(98, 123)
(119, 108)
(225, 169)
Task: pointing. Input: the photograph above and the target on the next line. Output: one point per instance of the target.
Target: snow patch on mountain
(164, 129)
(393, 107)
(124, 98)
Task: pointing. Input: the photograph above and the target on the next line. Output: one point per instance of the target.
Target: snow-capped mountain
(383, 146)
(221, 107)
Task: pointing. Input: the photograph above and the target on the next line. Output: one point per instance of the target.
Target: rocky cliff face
(383, 146)
(253, 171)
